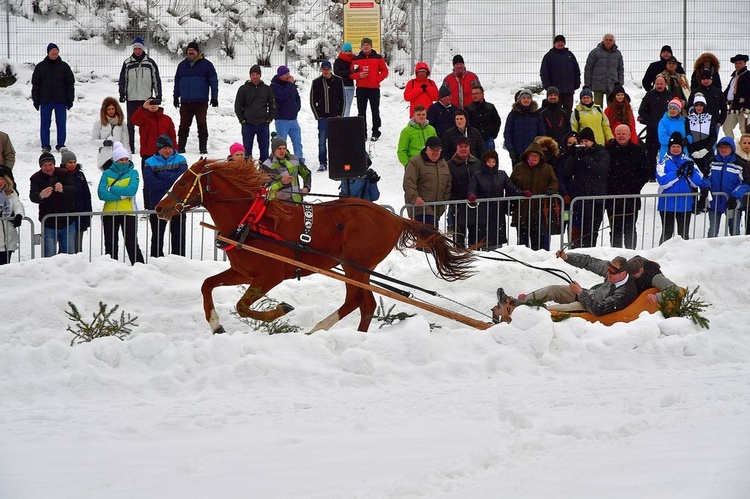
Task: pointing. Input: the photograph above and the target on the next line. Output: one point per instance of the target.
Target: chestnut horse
(350, 230)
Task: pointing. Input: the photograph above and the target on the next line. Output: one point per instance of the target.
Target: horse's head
(209, 180)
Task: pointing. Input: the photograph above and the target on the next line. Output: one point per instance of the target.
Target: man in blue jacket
(288, 105)
(194, 78)
(726, 177)
(160, 171)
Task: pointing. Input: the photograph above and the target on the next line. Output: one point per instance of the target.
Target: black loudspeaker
(347, 157)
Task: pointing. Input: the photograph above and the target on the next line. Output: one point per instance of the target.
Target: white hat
(119, 152)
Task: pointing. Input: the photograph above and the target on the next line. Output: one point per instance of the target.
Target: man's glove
(69, 105)
(681, 170)
(549, 192)
(472, 198)
(527, 193)
(731, 203)
(107, 143)
(19, 218)
(423, 86)
(122, 98)
(214, 102)
(581, 152)
(36, 106)
(176, 102)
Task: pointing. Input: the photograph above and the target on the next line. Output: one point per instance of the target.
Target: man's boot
(182, 137)
(203, 143)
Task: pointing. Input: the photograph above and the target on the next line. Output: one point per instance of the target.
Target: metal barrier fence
(486, 224)
(507, 39)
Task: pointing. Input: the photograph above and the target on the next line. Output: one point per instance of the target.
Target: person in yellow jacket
(588, 114)
(117, 188)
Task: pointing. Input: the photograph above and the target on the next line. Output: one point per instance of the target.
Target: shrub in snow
(7, 73)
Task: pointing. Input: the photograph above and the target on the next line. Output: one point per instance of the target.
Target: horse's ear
(199, 164)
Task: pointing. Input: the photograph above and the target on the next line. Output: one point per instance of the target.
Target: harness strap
(251, 221)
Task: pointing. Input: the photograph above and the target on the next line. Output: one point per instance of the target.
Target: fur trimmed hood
(549, 144)
(707, 56)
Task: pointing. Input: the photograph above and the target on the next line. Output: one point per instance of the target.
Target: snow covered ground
(654, 409)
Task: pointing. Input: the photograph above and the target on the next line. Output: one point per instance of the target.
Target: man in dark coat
(195, 77)
(651, 111)
(716, 103)
(52, 89)
(327, 100)
(627, 174)
(659, 67)
(255, 107)
(555, 116)
(462, 130)
(483, 116)
(462, 165)
(440, 114)
(737, 94)
(522, 126)
(55, 193)
(560, 69)
(585, 174)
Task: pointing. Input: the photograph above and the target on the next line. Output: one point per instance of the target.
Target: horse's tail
(453, 261)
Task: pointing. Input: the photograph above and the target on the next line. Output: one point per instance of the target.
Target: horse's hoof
(286, 307)
(220, 330)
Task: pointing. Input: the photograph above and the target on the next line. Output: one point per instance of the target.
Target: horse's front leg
(262, 285)
(227, 278)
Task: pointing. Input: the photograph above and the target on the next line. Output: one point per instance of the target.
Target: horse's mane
(246, 177)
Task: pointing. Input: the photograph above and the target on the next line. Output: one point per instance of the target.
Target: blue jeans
(264, 135)
(323, 141)
(349, 94)
(291, 129)
(714, 223)
(61, 113)
(65, 236)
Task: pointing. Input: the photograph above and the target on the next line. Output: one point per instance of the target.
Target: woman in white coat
(108, 129)
(11, 216)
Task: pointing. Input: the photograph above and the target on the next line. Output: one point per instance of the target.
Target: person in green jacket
(285, 170)
(414, 135)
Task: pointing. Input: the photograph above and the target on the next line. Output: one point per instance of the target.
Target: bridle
(197, 199)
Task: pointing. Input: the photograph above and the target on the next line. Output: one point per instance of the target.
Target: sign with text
(362, 20)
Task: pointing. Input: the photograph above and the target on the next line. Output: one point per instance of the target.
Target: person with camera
(676, 173)
(152, 122)
(11, 216)
(139, 80)
(585, 174)
(108, 129)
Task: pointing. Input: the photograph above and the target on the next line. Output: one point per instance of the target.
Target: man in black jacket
(462, 130)
(555, 115)
(483, 116)
(560, 70)
(441, 114)
(659, 67)
(54, 191)
(716, 103)
(628, 172)
(327, 100)
(255, 107)
(52, 89)
(652, 109)
(462, 165)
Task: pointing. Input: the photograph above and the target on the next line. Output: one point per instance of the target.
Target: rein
(188, 202)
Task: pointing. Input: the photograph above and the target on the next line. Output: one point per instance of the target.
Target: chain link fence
(504, 41)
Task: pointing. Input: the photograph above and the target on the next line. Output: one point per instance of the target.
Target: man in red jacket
(151, 122)
(460, 83)
(368, 70)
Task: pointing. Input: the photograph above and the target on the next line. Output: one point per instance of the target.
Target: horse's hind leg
(366, 309)
(227, 278)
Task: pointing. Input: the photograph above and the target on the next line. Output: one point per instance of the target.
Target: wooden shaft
(463, 319)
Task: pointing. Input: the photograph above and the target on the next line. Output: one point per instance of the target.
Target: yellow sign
(362, 20)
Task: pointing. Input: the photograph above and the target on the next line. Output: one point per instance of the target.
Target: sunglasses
(613, 270)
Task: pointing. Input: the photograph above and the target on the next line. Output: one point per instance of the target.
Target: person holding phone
(152, 122)
(108, 129)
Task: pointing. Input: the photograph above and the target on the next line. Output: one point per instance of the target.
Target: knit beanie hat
(526, 92)
(559, 38)
(163, 141)
(119, 152)
(325, 64)
(587, 134)
(139, 43)
(46, 157)
(675, 138)
(666, 48)
(236, 147)
(346, 47)
(553, 90)
(366, 40)
(193, 45)
(52, 46)
(458, 58)
(586, 91)
(255, 69)
(676, 103)
(277, 142)
(699, 99)
(67, 155)
(282, 70)
(445, 91)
